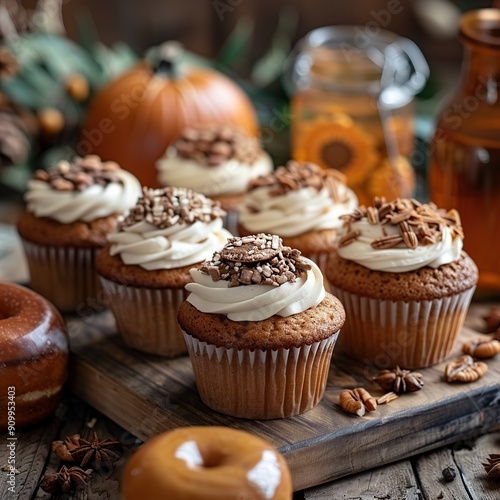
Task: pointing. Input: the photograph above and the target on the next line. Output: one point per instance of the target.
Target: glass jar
(352, 106)
(465, 160)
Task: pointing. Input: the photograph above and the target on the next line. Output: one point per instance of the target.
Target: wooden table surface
(418, 478)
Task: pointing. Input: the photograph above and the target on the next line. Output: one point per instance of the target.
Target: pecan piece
(385, 242)
(482, 348)
(348, 238)
(465, 369)
(357, 401)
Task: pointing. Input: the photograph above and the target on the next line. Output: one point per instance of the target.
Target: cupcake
(405, 282)
(300, 202)
(70, 210)
(217, 161)
(260, 329)
(145, 265)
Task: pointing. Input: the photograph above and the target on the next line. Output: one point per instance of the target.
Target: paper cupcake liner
(261, 384)
(413, 334)
(146, 318)
(66, 276)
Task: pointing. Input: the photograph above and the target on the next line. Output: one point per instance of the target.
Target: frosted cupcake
(260, 329)
(217, 161)
(300, 202)
(404, 280)
(145, 265)
(70, 210)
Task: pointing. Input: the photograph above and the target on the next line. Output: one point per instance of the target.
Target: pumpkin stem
(168, 55)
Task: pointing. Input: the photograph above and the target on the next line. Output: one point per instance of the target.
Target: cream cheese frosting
(230, 177)
(400, 259)
(256, 302)
(400, 236)
(297, 198)
(169, 228)
(180, 245)
(294, 212)
(87, 205)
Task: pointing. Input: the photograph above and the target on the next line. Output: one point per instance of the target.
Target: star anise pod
(63, 449)
(399, 381)
(98, 451)
(65, 480)
(492, 320)
(493, 467)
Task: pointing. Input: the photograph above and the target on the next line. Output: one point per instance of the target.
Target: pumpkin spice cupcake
(405, 283)
(300, 202)
(145, 265)
(260, 329)
(217, 161)
(70, 210)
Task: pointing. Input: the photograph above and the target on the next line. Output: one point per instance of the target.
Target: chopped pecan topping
(348, 238)
(172, 205)
(298, 175)
(255, 260)
(357, 401)
(482, 348)
(417, 223)
(465, 369)
(80, 174)
(213, 145)
(399, 381)
(492, 468)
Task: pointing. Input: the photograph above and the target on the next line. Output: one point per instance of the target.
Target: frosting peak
(255, 277)
(297, 198)
(402, 235)
(84, 189)
(213, 160)
(169, 228)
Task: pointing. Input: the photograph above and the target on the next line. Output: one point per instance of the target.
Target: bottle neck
(481, 71)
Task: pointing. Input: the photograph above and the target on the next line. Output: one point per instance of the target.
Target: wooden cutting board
(147, 394)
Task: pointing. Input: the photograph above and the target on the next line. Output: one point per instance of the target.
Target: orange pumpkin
(134, 118)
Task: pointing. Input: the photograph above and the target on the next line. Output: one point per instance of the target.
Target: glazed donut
(33, 356)
(207, 463)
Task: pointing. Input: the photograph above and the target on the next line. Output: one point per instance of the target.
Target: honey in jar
(353, 107)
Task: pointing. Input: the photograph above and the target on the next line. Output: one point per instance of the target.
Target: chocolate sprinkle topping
(255, 260)
(214, 145)
(298, 175)
(79, 174)
(172, 205)
(418, 223)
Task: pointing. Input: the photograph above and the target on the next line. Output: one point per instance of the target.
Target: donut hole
(212, 458)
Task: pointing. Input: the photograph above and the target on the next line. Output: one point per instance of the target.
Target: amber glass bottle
(465, 160)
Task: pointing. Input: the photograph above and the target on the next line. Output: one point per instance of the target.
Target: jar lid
(481, 26)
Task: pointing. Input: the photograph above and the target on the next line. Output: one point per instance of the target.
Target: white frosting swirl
(399, 259)
(177, 246)
(88, 205)
(230, 177)
(256, 302)
(295, 212)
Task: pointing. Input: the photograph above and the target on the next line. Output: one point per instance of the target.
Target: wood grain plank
(31, 453)
(147, 394)
(383, 483)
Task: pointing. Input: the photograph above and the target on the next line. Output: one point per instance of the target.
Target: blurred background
(248, 40)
